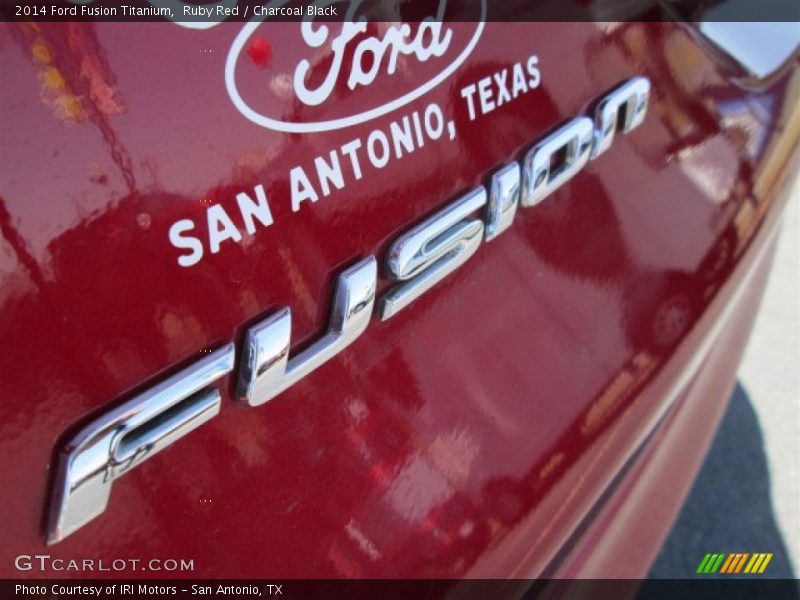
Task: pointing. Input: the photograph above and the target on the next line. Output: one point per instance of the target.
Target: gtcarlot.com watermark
(47, 563)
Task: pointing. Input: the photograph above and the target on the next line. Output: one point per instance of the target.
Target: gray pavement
(770, 373)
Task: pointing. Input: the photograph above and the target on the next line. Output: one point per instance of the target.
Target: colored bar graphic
(710, 564)
(703, 563)
(740, 564)
(756, 558)
(727, 564)
(734, 563)
(765, 563)
(730, 563)
(717, 564)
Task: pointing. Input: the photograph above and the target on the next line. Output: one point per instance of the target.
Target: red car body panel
(516, 420)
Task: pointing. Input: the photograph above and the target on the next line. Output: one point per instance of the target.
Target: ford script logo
(344, 73)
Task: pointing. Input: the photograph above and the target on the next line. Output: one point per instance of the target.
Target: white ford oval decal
(338, 123)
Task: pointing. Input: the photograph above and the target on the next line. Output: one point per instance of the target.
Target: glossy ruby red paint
(468, 436)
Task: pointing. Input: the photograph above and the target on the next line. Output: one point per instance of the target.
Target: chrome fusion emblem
(127, 436)
(110, 446)
(266, 368)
